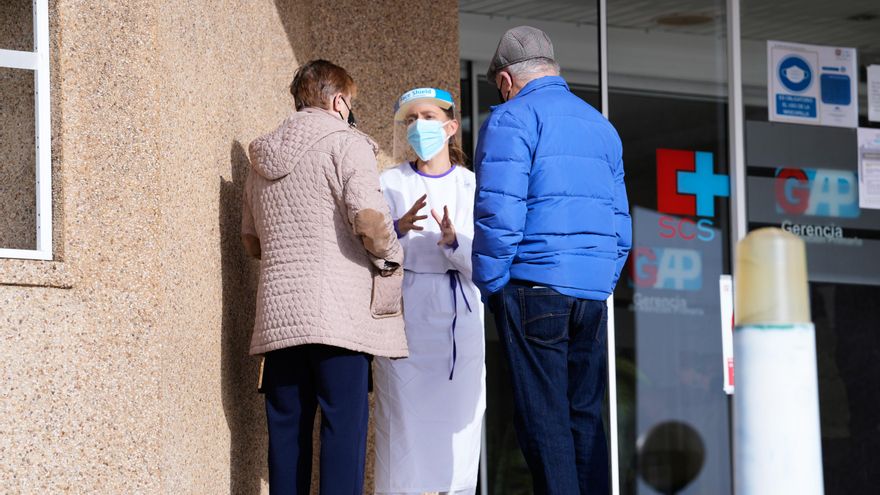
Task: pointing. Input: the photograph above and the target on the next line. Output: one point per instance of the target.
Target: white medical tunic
(428, 425)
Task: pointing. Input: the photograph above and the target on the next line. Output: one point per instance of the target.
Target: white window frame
(38, 62)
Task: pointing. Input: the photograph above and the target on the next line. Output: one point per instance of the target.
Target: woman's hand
(408, 221)
(447, 230)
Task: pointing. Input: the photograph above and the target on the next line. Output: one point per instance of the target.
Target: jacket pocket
(387, 298)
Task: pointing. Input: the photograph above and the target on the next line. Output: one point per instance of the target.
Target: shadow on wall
(296, 17)
(242, 405)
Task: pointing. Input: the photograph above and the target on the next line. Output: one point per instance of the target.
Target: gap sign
(667, 268)
(817, 192)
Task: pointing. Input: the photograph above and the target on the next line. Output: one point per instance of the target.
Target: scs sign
(686, 228)
(687, 185)
(816, 192)
(667, 268)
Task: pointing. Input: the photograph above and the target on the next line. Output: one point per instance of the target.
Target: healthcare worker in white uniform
(429, 406)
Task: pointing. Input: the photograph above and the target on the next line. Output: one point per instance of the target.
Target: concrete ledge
(31, 273)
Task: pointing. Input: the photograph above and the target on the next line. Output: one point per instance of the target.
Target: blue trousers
(555, 346)
(296, 380)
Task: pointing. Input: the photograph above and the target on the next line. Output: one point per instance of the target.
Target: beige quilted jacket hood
(330, 261)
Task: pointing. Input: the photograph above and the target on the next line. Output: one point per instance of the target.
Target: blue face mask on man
(427, 137)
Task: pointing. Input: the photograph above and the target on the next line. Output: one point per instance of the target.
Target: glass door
(667, 81)
(667, 96)
(572, 25)
(811, 144)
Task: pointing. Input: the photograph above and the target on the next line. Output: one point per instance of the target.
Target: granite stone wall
(124, 360)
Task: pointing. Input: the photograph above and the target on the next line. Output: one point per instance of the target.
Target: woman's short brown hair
(316, 81)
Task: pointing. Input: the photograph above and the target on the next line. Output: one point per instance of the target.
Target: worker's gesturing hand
(447, 230)
(408, 221)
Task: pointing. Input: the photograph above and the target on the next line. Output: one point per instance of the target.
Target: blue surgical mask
(427, 137)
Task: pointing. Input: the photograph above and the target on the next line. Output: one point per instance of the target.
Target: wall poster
(811, 84)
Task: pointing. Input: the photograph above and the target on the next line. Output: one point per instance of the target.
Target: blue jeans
(555, 347)
(297, 379)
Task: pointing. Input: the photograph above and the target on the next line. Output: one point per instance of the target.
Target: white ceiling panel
(808, 21)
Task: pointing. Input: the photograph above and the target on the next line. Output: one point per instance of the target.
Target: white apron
(428, 426)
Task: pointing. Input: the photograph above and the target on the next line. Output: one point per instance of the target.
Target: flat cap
(518, 45)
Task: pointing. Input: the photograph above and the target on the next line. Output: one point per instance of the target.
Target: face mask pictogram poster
(810, 84)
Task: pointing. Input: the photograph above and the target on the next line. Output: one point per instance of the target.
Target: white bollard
(777, 437)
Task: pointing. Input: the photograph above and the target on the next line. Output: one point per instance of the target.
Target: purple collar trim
(444, 174)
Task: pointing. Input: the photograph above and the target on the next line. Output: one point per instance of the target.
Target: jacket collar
(327, 117)
(541, 82)
(333, 123)
(534, 85)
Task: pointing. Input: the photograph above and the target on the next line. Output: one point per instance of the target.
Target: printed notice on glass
(869, 168)
(811, 84)
(725, 283)
(874, 93)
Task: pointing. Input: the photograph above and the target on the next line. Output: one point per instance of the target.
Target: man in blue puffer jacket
(552, 233)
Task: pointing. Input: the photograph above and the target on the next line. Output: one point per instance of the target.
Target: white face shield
(402, 151)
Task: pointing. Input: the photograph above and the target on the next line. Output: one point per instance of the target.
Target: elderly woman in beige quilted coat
(330, 281)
